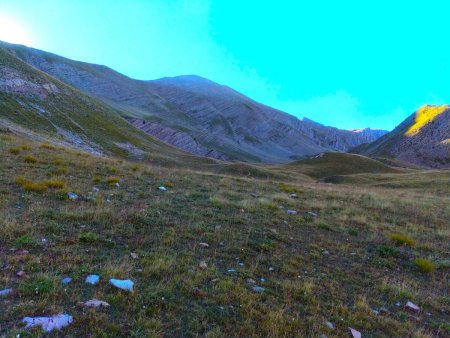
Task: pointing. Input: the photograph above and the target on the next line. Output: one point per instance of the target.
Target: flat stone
(66, 280)
(92, 279)
(412, 307)
(355, 333)
(330, 325)
(258, 289)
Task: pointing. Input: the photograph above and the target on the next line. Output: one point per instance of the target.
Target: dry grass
(337, 266)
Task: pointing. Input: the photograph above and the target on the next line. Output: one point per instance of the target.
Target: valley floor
(353, 254)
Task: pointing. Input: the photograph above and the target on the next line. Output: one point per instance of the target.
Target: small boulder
(92, 279)
(48, 323)
(292, 212)
(204, 245)
(66, 280)
(5, 292)
(134, 255)
(162, 188)
(21, 273)
(258, 289)
(355, 333)
(124, 284)
(95, 303)
(410, 306)
(203, 265)
(72, 196)
(330, 325)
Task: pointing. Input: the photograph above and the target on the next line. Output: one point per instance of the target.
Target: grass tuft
(424, 265)
(29, 159)
(54, 183)
(401, 239)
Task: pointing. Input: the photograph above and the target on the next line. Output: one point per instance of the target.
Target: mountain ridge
(422, 139)
(227, 124)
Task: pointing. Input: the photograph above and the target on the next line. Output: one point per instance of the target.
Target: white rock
(330, 325)
(48, 323)
(92, 279)
(133, 255)
(124, 284)
(72, 196)
(292, 212)
(162, 188)
(203, 265)
(355, 333)
(5, 292)
(204, 245)
(411, 306)
(258, 289)
(95, 303)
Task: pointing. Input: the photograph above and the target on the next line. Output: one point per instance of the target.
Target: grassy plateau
(218, 254)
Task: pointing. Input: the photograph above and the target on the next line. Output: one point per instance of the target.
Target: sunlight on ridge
(424, 115)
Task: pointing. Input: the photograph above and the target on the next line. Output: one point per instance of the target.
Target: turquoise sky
(348, 64)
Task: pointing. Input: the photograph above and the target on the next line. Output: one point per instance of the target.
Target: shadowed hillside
(198, 115)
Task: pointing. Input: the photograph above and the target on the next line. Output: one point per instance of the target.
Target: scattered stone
(355, 333)
(292, 212)
(204, 245)
(92, 279)
(72, 196)
(375, 312)
(231, 270)
(326, 252)
(21, 273)
(251, 281)
(258, 289)
(66, 280)
(124, 284)
(330, 325)
(254, 195)
(162, 188)
(311, 213)
(352, 253)
(271, 269)
(95, 303)
(412, 307)
(5, 292)
(398, 304)
(241, 264)
(95, 189)
(48, 323)
(117, 184)
(293, 196)
(241, 210)
(133, 255)
(203, 265)
(262, 280)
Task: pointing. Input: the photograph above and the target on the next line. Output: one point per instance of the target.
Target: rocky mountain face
(40, 107)
(198, 115)
(422, 139)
